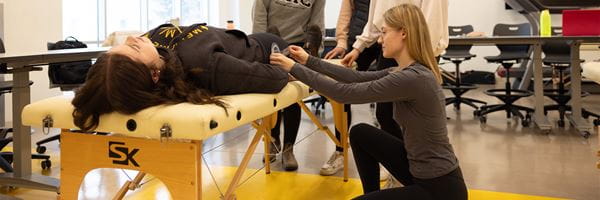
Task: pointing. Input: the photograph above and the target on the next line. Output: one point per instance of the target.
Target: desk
(20, 65)
(536, 41)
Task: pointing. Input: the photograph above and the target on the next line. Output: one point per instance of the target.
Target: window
(194, 11)
(122, 15)
(159, 12)
(80, 19)
(92, 20)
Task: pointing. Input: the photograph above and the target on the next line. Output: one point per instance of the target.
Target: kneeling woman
(170, 65)
(423, 159)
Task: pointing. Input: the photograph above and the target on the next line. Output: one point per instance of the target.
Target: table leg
(576, 120)
(22, 176)
(538, 88)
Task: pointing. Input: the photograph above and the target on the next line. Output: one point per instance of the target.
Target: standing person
(291, 19)
(351, 22)
(424, 162)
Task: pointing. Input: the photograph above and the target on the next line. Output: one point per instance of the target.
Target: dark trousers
(291, 121)
(371, 146)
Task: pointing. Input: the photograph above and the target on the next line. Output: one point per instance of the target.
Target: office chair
(6, 158)
(558, 56)
(509, 55)
(457, 54)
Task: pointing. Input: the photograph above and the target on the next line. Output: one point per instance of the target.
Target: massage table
(591, 71)
(161, 138)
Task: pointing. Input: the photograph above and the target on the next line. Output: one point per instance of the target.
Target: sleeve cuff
(312, 61)
(342, 43)
(359, 45)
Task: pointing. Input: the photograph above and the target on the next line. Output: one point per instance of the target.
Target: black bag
(478, 77)
(68, 72)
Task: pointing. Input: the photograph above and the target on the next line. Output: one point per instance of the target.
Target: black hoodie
(231, 62)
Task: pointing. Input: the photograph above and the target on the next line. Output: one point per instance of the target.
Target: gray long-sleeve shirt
(290, 17)
(419, 107)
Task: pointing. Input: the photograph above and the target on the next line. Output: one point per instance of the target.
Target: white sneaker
(333, 165)
(391, 183)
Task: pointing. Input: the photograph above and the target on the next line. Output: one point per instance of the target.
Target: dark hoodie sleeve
(234, 76)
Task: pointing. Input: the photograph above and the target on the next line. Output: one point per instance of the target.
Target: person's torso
(360, 16)
(423, 119)
(291, 17)
(195, 46)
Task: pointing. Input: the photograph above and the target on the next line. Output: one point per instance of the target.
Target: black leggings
(371, 146)
(363, 62)
(291, 120)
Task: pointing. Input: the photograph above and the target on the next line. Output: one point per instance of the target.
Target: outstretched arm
(336, 72)
(395, 86)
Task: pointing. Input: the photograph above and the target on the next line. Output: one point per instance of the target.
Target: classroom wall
(28, 26)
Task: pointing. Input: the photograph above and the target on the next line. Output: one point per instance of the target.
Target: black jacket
(231, 62)
(358, 20)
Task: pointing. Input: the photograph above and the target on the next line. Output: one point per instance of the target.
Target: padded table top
(187, 121)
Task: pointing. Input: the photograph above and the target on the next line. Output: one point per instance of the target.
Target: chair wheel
(46, 164)
(597, 122)
(561, 123)
(525, 122)
(456, 106)
(40, 149)
(585, 134)
(476, 113)
(482, 119)
(585, 115)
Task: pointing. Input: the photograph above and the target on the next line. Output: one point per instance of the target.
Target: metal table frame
(20, 65)
(536, 41)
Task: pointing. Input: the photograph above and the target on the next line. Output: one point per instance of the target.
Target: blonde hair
(410, 19)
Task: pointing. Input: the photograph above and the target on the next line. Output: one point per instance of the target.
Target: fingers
(275, 58)
(331, 54)
(336, 52)
(294, 47)
(347, 60)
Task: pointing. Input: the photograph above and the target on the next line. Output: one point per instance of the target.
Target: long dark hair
(116, 83)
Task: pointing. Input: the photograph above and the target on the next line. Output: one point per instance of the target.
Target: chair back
(3, 67)
(523, 29)
(556, 48)
(459, 31)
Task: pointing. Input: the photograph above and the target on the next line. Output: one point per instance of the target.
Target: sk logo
(121, 154)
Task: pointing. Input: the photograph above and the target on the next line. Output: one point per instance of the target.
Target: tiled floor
(499, 156)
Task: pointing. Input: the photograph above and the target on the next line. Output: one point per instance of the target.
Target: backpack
(68, 72)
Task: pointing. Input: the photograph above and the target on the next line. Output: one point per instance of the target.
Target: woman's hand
(298, 54)
(335, 52)
(350, 58)
(282, 61)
